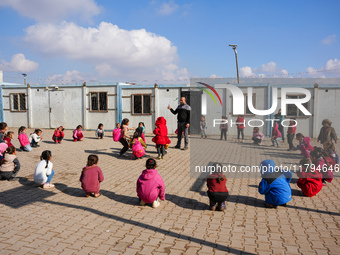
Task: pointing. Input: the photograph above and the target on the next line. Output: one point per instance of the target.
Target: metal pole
(234, 48)
(238, 77)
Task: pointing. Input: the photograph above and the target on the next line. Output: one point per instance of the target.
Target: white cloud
(68, 77)
(329, 40)
(19, 63)
(270, 69)
(115, 52)
(167, 8)
(330, 70)
(246, 71)
(52, 10)
(215, 76)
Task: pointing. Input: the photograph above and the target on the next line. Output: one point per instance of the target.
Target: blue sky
(166, 41)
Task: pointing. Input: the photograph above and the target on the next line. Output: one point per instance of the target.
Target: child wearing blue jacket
(275, 184)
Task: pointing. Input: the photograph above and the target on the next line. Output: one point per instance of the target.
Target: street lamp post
(25, 75)
(234, 48)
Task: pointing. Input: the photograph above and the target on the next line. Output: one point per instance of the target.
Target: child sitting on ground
(304, 145)
(78, 134)
(8, 138)
(100, 131)
(150, 185)
(276, 135)
(58, 134)
(10, 165)
(257, 136)
(161, 137)
(310, 181)
(23, 139)
(44, 173)
(329, 151)
(138, 146)
(217, 190)
(35, 138)
(275, 184)
(3, 128)
(91, 177)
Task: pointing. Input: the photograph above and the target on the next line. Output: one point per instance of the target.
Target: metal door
(57, 108)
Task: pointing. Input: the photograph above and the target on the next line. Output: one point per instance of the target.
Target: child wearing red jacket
(91, 177)
(58, 134)
(240, 127)
(161, 136)
(8, 138)
(217, 189)
(150, 185)
(310, 180)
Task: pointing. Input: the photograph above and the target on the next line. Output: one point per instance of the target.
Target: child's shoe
(142, 203)
(74, 140)
(155, 204)
(159, 157)
(162, 157)
(221, 206)
(324, 183)
(48, 185)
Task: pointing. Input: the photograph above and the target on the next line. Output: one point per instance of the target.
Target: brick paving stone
(63, 220)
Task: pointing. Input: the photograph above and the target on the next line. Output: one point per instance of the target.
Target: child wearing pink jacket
(276, 135)
(150, 185)
(23, 139)
(78, 133)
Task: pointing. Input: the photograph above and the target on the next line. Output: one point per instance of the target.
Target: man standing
(183, 122)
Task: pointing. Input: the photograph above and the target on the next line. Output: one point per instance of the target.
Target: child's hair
(136, 134)
(256, 130)
(92, 160)
(218, 165)
(8, 133)
(330, 145)
(298, 135)
(124, 122)
(316, 153)
(117, 125)
(202, 116)
(151, 163)
(22, 128)
(10, 150)
(79, 126)
(3, 125)
(141, 123)
(45, 155)
(225, 117)
(37, 130)
(100, 125)
(305, 162)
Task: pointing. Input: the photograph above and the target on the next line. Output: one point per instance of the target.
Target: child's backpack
(117, 134)
(137, 149)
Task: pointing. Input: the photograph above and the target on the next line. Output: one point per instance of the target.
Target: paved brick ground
(63, 221)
